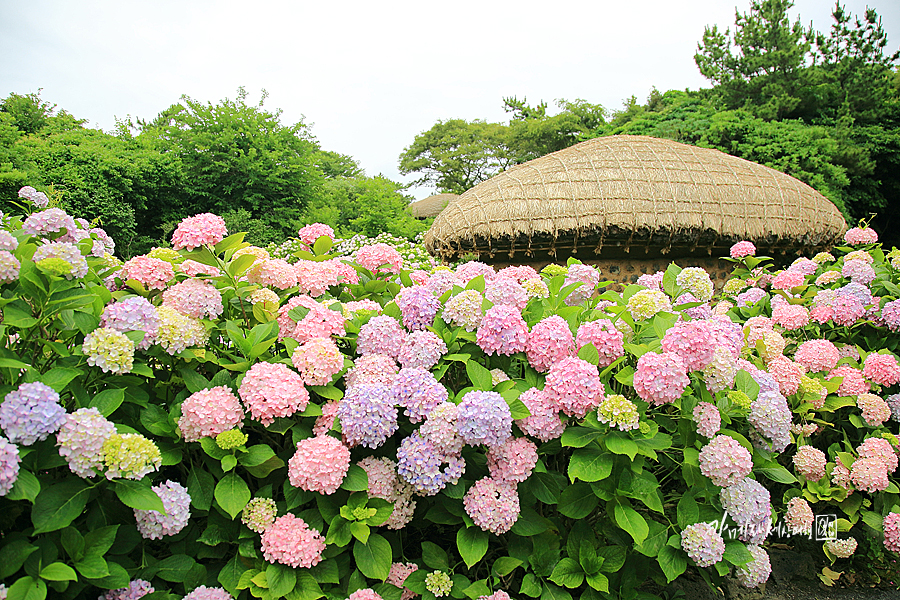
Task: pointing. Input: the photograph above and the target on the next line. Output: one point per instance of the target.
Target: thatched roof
(431, 206)
(613, 195)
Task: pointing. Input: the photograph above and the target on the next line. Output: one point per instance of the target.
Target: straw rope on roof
(616, 193)
(431, 206)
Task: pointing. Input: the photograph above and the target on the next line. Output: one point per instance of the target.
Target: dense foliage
(234, 158)
(210, 421)
(824, 108)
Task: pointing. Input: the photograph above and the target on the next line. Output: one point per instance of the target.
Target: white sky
(367, 75)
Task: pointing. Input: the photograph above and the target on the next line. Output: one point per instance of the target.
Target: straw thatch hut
(631, 205)
(431, 206)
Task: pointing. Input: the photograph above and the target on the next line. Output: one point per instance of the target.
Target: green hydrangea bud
(554, 270)
(231, 439)
(739, 398)
(166, 254)
(56, 266)
(438, 583)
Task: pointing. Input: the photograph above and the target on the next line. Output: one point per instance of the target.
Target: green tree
(239, 156)
(29, 112)
(533, 133)
(766, 72)
(454, 155)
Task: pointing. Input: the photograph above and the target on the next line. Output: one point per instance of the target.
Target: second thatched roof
(431, 206)
(613, 194)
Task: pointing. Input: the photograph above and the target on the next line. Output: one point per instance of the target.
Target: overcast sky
(367, 75)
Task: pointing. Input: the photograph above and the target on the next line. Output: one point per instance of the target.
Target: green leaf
(58, 572)
(578, 437)
(435, 557)
(174, 568)
(108, 401)
(306, 589)
(736, 553)
(97, 542)
(567, 573)
(200, 486)
(577, 501)
(239, 266)
(589, 353)
(134, 494)
(619, 443)
(688, 511)
(193, 380)
(281, 579)
(873, 520)
(590, 464)
(57, 506)
(92, 567)
(232, 494)
(776, 472)
(329, 392)
(553, 592)
(530, 586)
(27, 588)
(672, 562)
(598, 581)
(545, 487)
(472, 544)
(505, 565)
(631, 521)
(12, 363)
(26, 487)
(13, 555)
(374, 558)
(360, 531)
(59, 377)
(479, 376)
(518, 410)
(356, 480)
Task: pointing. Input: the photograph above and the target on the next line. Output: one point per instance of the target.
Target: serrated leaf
(567, 573)
(672, 562)
(232, 494)
(134, 494)
(472, 544)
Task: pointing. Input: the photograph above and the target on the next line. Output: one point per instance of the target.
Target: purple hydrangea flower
(368, 415)
(153, 525)
(31, 413)
(484, 418)
(9, 465)
(419, 464)
(416, 390)
(133, 313)
(419, 307)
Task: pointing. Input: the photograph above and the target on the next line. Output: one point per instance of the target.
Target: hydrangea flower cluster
(725, 461)
(799, 516)
(892, 532)
(130, 455)
(419, 463)
(492, 505)
(646, 303)
(441, 428)
(544, 422)
(749, 504)
(153, 525)
(466, 272)
(692, 341)
(368, 415)
(199, 230)
(817, 355)
(703, 544)
(484, 418)
(771, 416)
(757, 571)
(308, 234)
(464, 310)
(381, 335)
(135, 590)
(194, 298)
(290, 541)
(882, 369)
(132, 313)
(69, 253)
(707, 418)
(574, 386)
(385, 484)
(587, 276)
(875, 410)
(697, 282)
(660, 378)
(419, 307)
(48, 222)
(152, 273)
(505, 290)
(81, 439)
(273, 272)
(398, 574)
(810, 462)
(416, 390)
(502, 331)
(208, 593)
(841, 548)
(30, 413)
(860, 235)
(721, 371)
(619, 412)
(319, 320)
(318, 361)
(549, 341)
(9, 266)
(209, 412)
(365, 594)
(110, 350)
(742, 249)
(271, 390)
(263, 295)
(513, 461)
(178, 331)
(9, 465)
(791, 316)
(314, 278)
(869, 474)
(880, 449)
(39, 199)
(421, 349)
(319, 464)
(608, 340)
(379, 258)
(259, 513)
(750, 297)
(438, 583)
(372, 369)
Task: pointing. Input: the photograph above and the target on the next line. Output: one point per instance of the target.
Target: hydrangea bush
(216, 420)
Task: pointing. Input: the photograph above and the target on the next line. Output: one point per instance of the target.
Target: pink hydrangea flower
(416, 390)
(314, 278)
(786, 280)
(505, 290)
(464, 309)
(742, 249)
(381, 335)
(892, 532)
(81, 440)
(608, 340)
(799, 516)
(756, 571)
(787, 373)
(208, 593)
(9, 267)
(153, 273)
(318, 361)
(365, 594)
(194, 298)
(875, 410)
(199, 230)
(273, 272)
(271, 390)
(842, 548)
(860, 235)
(492, 505)
(703, 544)
(466, 272)
(880, 449)
(312, 232)
(725, 461)
(882, 369)
(319, 320)
(319, 464)
(544, 422)
(192, 268)
(398, 574)
(574, 386)
(810, 462)
(379, 258)
(209, 412)
(791, 316)
(372, 369)
(421, 349)
(853, 383)
(176, 501)
(290, 541)
(549, 341)
(869, 474)
(817, 355)
(512, 461)
(587, 276)
(502, 331)
(660, 378)
(520, 273)
(384, 483)
(692, 341)
(708, 419)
